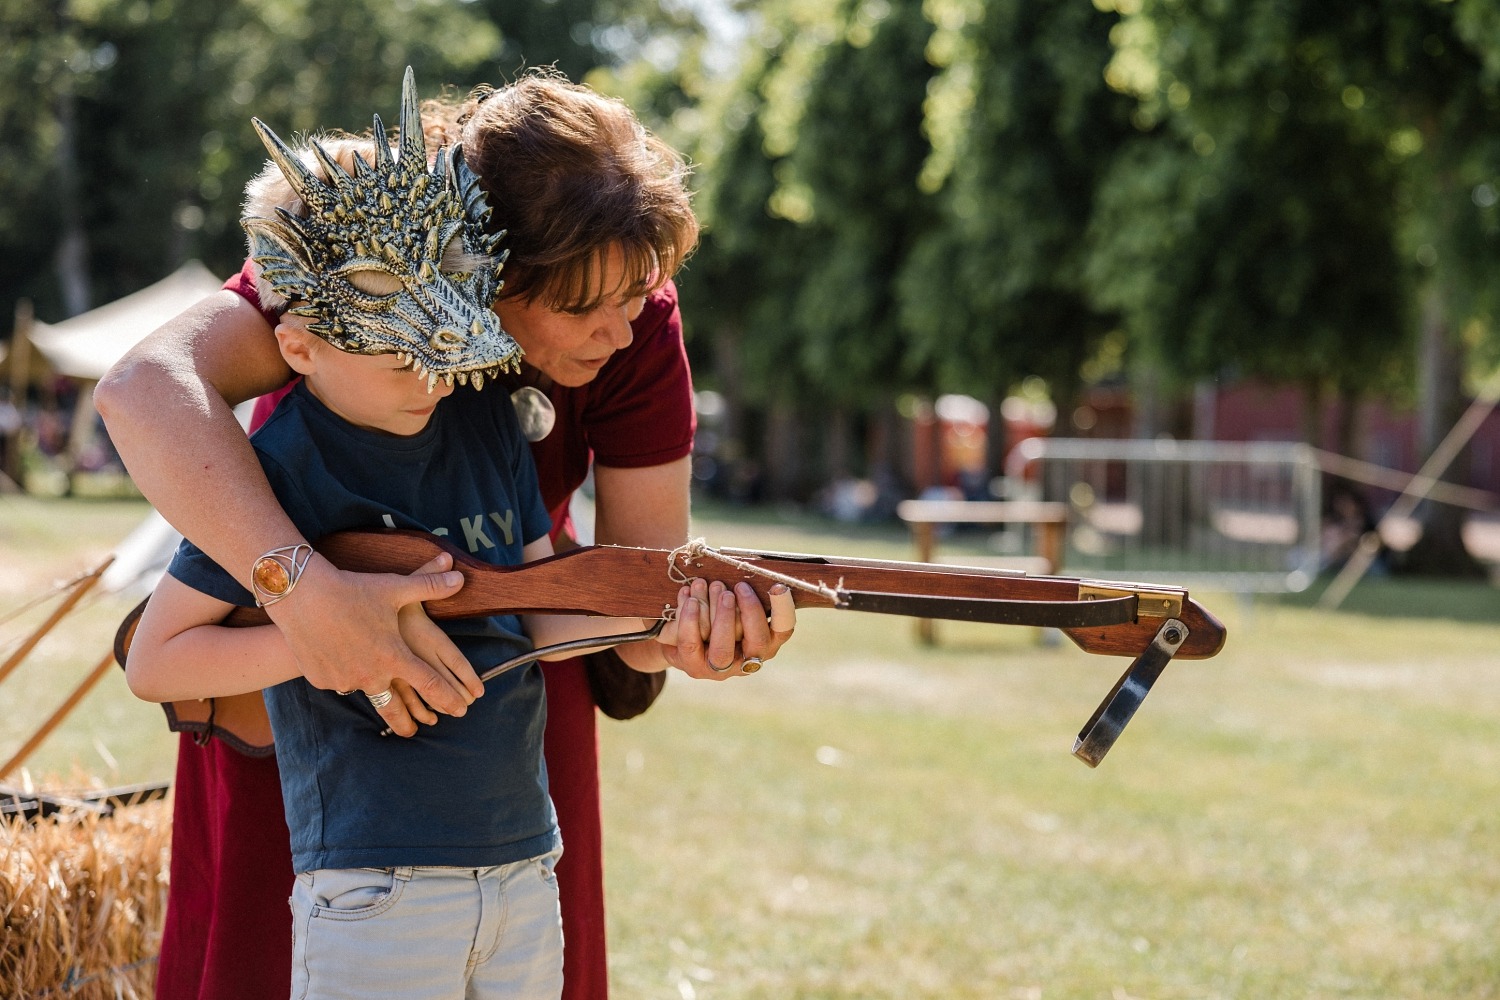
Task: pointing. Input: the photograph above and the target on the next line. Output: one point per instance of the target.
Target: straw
(82, 899)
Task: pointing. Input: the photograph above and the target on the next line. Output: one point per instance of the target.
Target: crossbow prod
(1150, 623)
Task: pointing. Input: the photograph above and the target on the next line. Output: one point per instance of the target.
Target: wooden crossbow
(1151, 623)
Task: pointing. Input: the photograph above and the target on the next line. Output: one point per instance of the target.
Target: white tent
(85, 346)
(88, 345)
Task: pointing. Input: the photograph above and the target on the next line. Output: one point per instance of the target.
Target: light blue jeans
(428, 933)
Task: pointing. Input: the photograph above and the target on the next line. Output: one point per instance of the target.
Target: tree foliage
(945, 195)
(126, 122)
(1250, 229)
(1021, 127)
(1315, 190)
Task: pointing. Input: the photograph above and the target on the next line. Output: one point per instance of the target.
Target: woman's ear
(298, 347)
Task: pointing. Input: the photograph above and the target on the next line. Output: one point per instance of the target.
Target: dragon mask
(389, 257)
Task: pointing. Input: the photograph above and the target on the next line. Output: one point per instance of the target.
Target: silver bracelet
(274, 575)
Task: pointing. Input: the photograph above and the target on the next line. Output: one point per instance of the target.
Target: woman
(579, 185)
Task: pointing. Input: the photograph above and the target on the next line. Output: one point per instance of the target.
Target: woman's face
(570, 348)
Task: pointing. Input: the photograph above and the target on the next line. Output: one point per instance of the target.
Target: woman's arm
(167, 405)
(548, 630)
(648, 507)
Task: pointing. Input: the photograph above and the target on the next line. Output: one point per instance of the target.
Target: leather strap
(994, 611)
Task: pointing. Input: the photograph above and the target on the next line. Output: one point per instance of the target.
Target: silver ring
(746, 664)
(720, 670)
(344, 694)
(380, 699)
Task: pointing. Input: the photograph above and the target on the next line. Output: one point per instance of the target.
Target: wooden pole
(20, 381)
(20, 352)
(1417, 490)
(95, 675)
(80, 587)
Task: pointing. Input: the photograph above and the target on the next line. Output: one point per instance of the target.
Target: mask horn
(412, 145)
(309, 188)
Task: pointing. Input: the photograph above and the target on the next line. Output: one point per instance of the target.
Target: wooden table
(923, 516)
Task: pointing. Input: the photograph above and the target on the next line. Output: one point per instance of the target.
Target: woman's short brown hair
(569, 174)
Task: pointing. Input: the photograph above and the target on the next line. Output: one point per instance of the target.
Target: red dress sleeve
(642, 406)
(243, 284)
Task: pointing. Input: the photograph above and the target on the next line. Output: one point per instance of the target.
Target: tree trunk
(72, 259)
(782, 466)
(1440, 550)
(1315, 393)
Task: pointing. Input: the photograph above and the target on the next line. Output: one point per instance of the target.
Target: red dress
(228, 925)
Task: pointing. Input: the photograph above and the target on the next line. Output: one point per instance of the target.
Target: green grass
(111, 737)
(1310, 814)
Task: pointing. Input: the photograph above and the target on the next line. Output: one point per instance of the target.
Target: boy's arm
(181, 653)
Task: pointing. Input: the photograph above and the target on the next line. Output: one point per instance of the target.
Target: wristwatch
(275, 573)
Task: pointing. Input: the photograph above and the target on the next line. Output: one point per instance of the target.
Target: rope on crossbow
(697, 549)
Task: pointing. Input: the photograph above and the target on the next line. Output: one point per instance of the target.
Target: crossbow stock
(1151, 623)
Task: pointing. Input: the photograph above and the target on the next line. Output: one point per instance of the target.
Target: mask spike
(307, 185)
(383, 160)
(413, 147)
(336, 174)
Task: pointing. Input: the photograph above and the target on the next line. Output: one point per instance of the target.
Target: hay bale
(82, 899)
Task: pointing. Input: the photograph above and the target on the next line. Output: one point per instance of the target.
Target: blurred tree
(1303, 199)
(809, 194)
(125, 123)
(570, 34)
(1022, 126)
(305, 65)
(740, 287)
(50, 63)
(1251, 229)
(850, 181)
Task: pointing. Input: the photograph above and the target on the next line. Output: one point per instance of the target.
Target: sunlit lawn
(1310, 814)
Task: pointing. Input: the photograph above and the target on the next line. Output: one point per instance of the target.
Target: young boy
(424, 865)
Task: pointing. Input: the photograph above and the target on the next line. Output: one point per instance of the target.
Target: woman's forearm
(645, 507)
(548, 630)
(167, 405)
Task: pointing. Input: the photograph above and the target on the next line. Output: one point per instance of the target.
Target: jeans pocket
(546, 866)
(354, 893)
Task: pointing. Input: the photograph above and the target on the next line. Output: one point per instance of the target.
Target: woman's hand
(366, 632)
(648, 507)
(721, 632)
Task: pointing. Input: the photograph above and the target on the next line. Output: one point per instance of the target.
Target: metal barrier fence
(1242, 516)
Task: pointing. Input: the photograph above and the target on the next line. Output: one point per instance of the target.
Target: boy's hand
(345, 631)
(424, 638)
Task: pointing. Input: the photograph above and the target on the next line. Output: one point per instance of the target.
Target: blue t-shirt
(470, 791)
